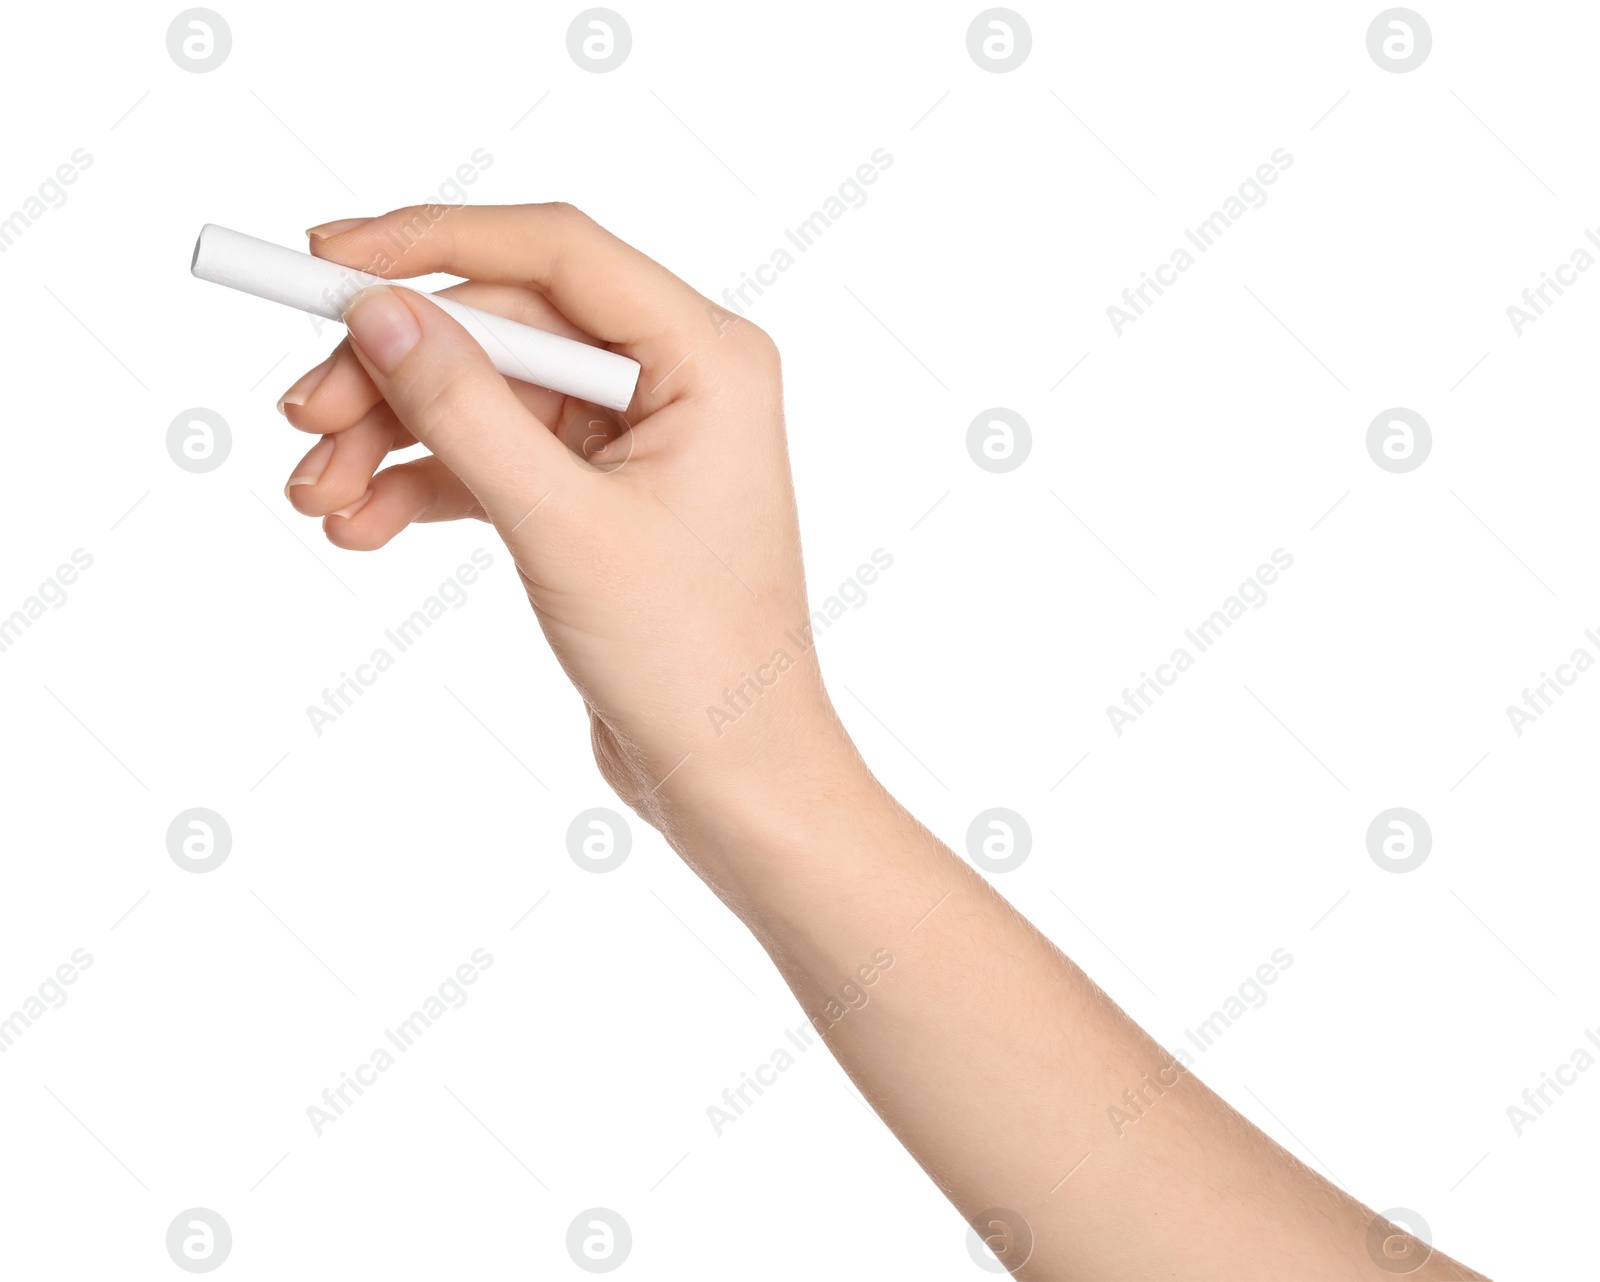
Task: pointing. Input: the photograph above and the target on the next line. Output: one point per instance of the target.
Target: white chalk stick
(324, 289)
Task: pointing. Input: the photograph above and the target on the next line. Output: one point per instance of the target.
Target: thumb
(440, 384)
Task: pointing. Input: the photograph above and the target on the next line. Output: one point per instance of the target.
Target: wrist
(767, 795)
(808, 848)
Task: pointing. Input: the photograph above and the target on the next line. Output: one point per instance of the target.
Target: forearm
(997, 1062)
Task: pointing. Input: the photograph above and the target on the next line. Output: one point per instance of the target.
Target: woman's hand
(659, 547)
(661, 553)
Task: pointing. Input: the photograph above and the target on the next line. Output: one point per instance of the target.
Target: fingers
(441, 386)
(607, 287)
(421, 490)
(338, 393)
(338, 469)
(337, 381)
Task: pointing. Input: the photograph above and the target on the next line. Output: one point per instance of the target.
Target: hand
(660, 551)
(659, 548)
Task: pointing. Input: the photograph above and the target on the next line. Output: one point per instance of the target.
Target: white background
(1230, 821)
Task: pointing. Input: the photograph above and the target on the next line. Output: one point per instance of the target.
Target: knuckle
(568, 214)
(765, 345)
(754, 348)
(340, 495)
(438, 405)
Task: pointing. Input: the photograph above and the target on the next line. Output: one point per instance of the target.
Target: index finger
(599, 282)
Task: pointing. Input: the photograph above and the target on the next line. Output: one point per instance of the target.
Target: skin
(660, 551)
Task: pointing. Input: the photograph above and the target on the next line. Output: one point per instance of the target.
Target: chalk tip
(199, 244)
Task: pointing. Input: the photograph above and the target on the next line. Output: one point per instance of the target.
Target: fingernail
(339, 225)
(382, 326)
(312, 465)
(308, 382)
(348, 512)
